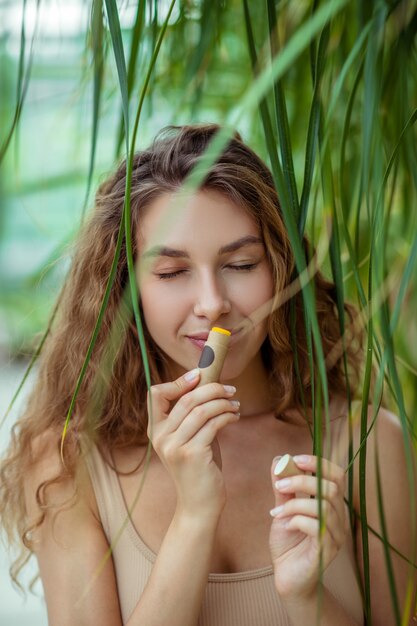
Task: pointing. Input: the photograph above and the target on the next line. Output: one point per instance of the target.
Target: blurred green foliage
(336, 125)
(203, 70)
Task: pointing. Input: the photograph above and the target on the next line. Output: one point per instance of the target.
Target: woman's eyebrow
(158, 251)
(240, 243)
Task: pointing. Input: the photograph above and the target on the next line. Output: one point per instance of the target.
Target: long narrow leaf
(94, 335)
(116, 36)
(98, 62)
(137, 35)
(282, 116)
(23, 78)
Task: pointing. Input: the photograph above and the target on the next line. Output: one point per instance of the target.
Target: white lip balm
(213, 355)
(286, 467)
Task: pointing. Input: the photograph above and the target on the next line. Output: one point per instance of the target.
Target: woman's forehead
(206, 217)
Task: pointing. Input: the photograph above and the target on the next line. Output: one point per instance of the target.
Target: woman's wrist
(196, 520)
(300, 599)
(317, 606)
(297, 600)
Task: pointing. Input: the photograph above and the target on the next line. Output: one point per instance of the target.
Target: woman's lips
(199, 343)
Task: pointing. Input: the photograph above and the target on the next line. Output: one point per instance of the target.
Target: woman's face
(202, 265)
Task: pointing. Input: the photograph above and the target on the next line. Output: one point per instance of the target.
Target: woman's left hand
(294, 540)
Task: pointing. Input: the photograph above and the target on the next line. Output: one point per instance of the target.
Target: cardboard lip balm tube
(213, 355)
(286, 467)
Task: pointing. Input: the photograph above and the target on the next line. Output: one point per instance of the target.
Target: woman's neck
(253, 389)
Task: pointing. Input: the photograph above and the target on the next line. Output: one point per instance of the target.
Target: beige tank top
(233, 599)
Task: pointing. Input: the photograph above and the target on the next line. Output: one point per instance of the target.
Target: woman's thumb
(162, 395)
(182, 384)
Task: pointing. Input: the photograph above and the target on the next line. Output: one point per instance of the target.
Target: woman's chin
(231, 374)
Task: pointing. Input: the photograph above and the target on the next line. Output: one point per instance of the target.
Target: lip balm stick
(213, 355)
(210, 365)
(286, 467)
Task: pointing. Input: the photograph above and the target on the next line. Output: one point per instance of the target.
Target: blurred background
(338, 125)
(47, 105)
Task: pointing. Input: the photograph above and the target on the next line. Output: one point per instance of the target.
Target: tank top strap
(106, 487)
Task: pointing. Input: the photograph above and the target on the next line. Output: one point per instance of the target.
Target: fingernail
(281, 484)
(192, 374)
(229, 389)
(276, 510)
(301, 458)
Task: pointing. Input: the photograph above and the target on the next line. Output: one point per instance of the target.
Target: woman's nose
(211, 299)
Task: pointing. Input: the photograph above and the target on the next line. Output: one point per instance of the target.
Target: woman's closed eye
(246, 267)
(165, 275)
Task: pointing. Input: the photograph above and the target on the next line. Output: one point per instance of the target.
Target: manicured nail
(281, 484)
(235, 403)
(301, 458)
(276, 510)
(192, 374)
(229, 389)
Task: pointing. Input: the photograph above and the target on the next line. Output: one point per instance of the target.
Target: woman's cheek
(163, 306)
(252, 293)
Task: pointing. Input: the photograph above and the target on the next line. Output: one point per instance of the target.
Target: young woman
(126, 533)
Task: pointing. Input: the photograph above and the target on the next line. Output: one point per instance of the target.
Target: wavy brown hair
(120, 418)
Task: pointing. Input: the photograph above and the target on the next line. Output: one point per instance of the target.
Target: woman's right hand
(182, 426)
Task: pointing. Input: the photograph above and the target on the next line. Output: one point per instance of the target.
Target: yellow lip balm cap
(223, 331)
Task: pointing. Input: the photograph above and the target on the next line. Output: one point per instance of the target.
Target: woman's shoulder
(387, 440)
(381, 423)
(388, 436)
(339, 411)
(68, 541)
(382, 428)
(48, 473)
